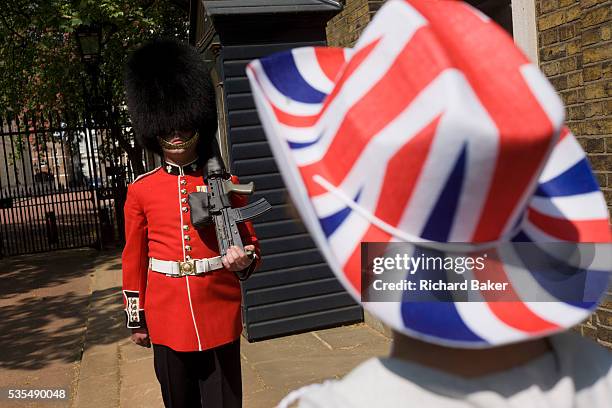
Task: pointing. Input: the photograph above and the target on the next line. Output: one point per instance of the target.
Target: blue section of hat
(441, 219)
(331, 223)
(438, 317)
(578, 179)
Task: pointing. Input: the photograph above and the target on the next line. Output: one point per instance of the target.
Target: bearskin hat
(168, 87)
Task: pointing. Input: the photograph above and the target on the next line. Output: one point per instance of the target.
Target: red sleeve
(247, 232)
(135, 261)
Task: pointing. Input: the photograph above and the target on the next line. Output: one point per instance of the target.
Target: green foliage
(40, 66)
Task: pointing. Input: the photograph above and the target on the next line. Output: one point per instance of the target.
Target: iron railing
(63, 180)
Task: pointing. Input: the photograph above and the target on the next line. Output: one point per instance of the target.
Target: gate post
(51, 227)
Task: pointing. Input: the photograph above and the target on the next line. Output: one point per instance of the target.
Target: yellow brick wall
(575, 51)
(344, 29)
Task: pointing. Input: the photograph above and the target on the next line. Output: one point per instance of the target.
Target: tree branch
(11, 29)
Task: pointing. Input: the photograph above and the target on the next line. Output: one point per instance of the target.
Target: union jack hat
(434, 128)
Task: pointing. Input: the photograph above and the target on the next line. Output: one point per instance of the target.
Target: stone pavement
(62, 320)
(44, 304)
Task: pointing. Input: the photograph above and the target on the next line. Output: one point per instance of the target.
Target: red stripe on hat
(507, 305)
(402, 174)
(331, 61)
(351, 67)
(522, 123)
(519, 316)
(402, 83)
(595, 230)
(494, 271)
(400, 179)
(291, 119)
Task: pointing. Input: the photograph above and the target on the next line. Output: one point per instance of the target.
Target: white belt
(192, 267)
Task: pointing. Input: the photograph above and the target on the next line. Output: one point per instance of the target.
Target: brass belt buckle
(187, 268)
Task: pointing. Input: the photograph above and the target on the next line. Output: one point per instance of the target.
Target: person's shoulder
(145, 177)
(354, 390)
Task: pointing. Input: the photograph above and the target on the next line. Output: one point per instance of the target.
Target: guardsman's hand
(236, 259)
(141, 337)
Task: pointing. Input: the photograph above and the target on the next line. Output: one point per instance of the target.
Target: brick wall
(344, 29)
(575, 51)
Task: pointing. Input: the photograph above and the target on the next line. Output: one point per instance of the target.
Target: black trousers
(199, 379)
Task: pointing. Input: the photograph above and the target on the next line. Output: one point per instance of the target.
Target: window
(498, 10)
(518, 18)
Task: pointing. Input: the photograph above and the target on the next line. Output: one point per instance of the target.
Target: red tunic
(189, 313)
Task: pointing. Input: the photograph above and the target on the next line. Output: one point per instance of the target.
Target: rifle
(214, 206)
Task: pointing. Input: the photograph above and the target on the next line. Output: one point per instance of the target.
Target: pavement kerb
(78, 363)
(98, 382)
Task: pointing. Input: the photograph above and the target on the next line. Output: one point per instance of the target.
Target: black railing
(63, 180)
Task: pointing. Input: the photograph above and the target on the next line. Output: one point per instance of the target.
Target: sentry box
(294, 290)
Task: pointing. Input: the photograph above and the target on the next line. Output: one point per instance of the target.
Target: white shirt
(576, 373)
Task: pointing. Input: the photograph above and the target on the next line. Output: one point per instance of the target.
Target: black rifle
(214, 206)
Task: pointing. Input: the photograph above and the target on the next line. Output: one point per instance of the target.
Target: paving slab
(139, 386)
(97, 392)
(274, 349)
(142, 395)
(104, 363)
(349, 337)
(130, 352)
(251, 379)
(268, 398)
(291, 362)
(137, 372)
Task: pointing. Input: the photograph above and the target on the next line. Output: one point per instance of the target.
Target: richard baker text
(439, 285)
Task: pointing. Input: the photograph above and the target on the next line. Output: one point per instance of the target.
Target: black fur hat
(168, 88)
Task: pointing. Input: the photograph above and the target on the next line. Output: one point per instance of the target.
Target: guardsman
(180, 295)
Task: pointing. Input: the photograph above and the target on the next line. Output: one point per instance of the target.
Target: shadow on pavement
(44, 306)
(27, 272)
